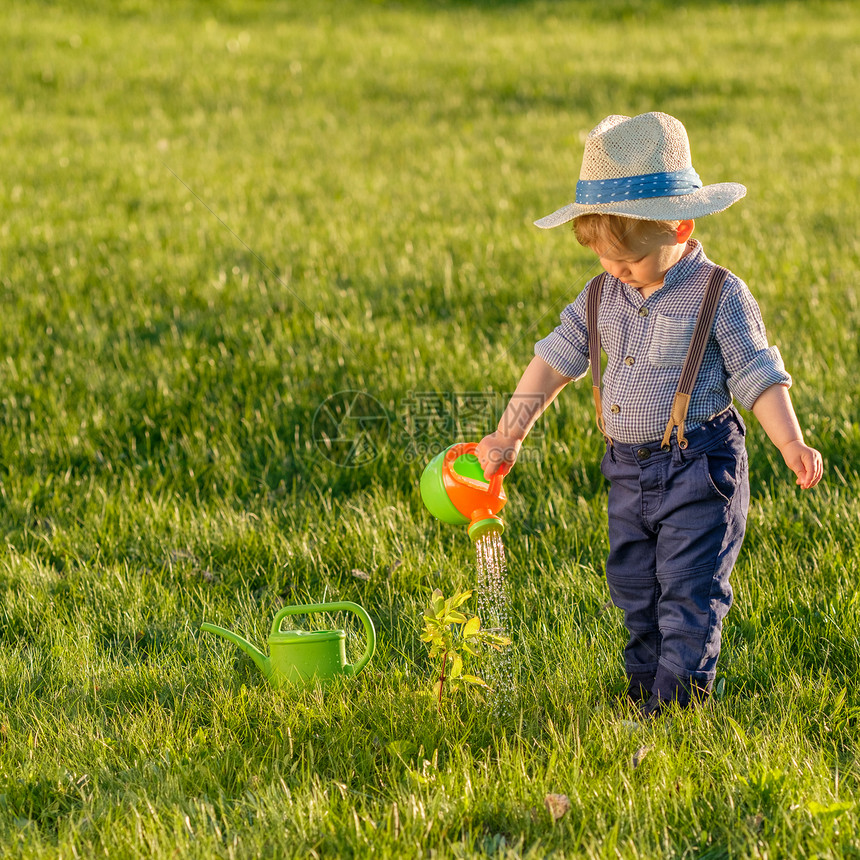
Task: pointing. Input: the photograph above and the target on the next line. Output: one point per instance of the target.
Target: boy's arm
(776, 415)
(538, 387)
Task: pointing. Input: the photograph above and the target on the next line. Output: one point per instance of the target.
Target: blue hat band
(671, 184)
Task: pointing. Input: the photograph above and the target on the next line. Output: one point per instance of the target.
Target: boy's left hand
(805, 462)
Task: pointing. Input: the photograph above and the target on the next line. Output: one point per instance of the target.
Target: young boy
(679, 491)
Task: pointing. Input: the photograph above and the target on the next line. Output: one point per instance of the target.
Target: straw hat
(641, 167)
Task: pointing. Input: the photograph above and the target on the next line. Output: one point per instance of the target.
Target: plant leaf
(456, 667)
(455, 617)
(833, 811)
(459, 599)
(472, 626)
(418, 779)
(739, 733)
(473, 679)
(437, 603)
(401, 749)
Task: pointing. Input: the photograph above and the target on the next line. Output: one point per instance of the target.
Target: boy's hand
(776, 414)
(497, 453)
(804, 461)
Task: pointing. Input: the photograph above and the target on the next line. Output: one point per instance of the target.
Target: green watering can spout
(263, 663)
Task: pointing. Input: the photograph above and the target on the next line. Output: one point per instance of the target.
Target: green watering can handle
(344, 606)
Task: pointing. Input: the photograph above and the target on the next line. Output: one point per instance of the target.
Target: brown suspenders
(692, 363)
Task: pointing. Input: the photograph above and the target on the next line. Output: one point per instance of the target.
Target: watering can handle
(343, 606)
(494, 488)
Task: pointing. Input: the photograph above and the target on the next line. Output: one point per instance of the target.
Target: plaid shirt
(646, 343)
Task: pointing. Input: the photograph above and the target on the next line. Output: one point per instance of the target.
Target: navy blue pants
(676, 524)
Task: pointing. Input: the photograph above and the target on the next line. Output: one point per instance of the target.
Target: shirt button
(643, 453)
(643, 312)
(630, 361)
(615, 409)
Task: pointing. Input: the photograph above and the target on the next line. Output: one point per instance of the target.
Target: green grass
(216, 216)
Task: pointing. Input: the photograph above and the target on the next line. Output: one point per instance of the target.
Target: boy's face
(644, 267)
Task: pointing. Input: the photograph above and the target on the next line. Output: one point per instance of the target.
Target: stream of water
(494, 612)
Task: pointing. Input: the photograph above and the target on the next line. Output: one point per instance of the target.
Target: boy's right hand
(497, 453)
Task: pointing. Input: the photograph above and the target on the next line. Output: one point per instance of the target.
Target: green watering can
(299, 656)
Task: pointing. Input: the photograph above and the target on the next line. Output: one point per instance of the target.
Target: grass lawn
(219, 217)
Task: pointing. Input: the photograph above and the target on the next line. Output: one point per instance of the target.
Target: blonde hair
(609, 231)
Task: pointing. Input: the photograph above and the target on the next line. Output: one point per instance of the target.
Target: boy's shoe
(639, 689)
(655, 705)
(651, 709)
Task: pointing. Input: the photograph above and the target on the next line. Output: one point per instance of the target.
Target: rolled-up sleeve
(565, 349)
(751, 365)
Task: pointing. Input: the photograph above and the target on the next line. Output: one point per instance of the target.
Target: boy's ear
(685, 230)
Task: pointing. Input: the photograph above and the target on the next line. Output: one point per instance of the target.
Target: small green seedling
(453, 637)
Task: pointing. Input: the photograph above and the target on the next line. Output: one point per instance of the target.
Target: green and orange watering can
(299, 657)
(455, 491)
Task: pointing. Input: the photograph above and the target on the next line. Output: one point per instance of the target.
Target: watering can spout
(484, 523)
(263, 663)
